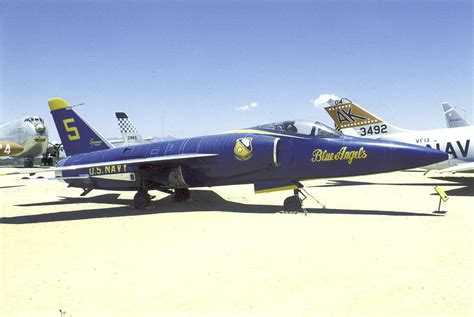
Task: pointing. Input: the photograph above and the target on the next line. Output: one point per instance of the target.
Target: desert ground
(377, 249)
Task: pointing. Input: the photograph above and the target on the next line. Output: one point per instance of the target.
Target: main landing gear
(295, 203)
(47, 161)
(182, 194)
(142, 199)
(28, 163)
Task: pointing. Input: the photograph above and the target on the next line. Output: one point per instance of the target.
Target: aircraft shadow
(11, 186)
(459, 180)
(466, 190)
(202, 201)
(463, 191)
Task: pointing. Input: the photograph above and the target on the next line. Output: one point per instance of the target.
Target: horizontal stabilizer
(116, 141)
(463, 167)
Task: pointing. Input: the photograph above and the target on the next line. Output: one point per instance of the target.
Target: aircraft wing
(138, 161)
(463, 167)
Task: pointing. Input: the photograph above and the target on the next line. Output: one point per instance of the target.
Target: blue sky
(204, 59)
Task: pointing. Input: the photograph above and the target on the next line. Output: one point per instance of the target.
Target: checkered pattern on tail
(129, 132)
(126, 126)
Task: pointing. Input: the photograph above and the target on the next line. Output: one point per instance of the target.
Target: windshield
(33, 120)
(307, 128)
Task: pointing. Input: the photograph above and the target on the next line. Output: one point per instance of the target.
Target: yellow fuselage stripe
(269, 190)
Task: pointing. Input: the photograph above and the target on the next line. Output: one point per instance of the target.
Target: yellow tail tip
(57, 103)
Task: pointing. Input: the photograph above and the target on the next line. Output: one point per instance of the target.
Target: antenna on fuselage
(78, 104)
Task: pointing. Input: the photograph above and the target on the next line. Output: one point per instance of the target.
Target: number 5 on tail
(74, 132)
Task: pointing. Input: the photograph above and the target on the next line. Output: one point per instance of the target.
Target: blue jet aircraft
(273, 157)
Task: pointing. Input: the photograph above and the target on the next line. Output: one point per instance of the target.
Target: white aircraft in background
(30, 133)
(453, 118)
(130, 134)
(352, 119)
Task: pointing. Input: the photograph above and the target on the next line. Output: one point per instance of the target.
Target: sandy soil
(376, 250)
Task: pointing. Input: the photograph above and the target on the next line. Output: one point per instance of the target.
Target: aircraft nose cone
(40, 128)
(411, 156)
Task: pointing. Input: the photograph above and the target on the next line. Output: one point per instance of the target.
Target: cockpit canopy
(34, 120)
(302, 127)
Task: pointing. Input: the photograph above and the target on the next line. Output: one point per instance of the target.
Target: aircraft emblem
(243, 149)
(348, 116)
(93, 142)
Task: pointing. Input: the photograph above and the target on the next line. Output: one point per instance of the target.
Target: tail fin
(350, 116)
(77, 136)
(453, 117)
(127, 128)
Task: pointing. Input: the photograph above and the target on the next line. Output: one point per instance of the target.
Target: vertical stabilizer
(77, 136)
(347, 115)
(453, 118)
(127, 128)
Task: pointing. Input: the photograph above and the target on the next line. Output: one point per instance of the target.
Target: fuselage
(456, 142)
(29, 132)
(246, 156)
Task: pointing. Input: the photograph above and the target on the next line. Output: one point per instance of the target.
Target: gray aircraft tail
(453, 118)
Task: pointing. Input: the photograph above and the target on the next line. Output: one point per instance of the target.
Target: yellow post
(442, 196)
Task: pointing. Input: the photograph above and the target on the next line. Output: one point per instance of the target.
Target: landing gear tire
(28, 163)
(292, 203)
(141, 200)
(181, 194)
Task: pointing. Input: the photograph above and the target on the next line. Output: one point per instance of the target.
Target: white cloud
(243, 108)
(322, 100)
(247, 107)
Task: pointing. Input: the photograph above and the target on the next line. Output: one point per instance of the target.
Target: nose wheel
(295, 203)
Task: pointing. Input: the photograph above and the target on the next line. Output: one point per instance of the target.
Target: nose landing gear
(295, 203)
